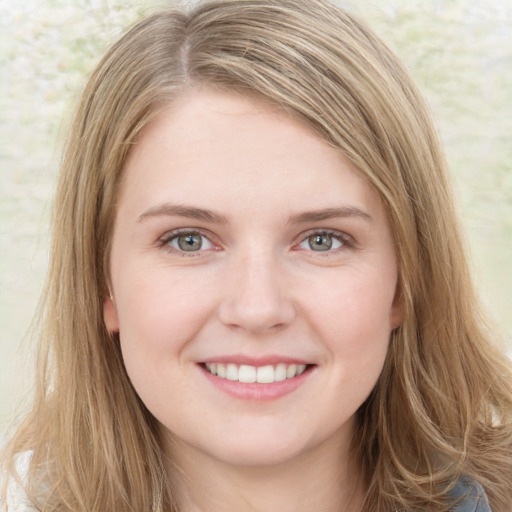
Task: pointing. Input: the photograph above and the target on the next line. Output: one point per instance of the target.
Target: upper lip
(240, 359)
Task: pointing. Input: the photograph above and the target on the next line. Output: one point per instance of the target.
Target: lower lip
(256, 391)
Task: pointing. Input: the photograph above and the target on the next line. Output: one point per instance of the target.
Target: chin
(260, 451)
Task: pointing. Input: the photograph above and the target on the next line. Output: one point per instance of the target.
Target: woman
(258, 297)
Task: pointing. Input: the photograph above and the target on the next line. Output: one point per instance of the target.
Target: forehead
(219, 120)
(222, 148)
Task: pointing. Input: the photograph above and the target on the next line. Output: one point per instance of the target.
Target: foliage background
(460, 53)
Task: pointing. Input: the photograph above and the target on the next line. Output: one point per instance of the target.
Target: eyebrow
(189, 212)
(192, 212)
(329, 213)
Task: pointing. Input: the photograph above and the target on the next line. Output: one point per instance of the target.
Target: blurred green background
(460, 53)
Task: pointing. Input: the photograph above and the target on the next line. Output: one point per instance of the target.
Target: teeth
(265, 375)
(261, 374)
(221, 371)
(247, 374)
(232, 372)
(280, 373)
(291, 371)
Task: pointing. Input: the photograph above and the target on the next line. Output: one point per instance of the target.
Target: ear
(110, 316)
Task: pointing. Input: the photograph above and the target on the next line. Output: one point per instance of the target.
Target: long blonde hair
(443, 404)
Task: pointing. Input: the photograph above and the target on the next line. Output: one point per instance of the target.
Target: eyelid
(347, 240)
(163, 241)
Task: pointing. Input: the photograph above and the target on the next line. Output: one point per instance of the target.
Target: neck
(325, 480)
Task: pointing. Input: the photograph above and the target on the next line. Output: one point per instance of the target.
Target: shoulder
(469, 496)
(17, 500)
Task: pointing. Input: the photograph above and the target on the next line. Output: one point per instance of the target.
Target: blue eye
(189, 242)
(322, 242)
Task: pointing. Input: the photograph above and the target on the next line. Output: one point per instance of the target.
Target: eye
(188, 242)
(323, 241)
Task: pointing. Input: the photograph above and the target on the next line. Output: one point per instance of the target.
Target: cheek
(159, 314)
(353, 316)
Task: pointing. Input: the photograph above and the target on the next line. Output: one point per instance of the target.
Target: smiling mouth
(256, 374)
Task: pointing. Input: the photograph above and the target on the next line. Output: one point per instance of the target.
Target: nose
(256, 298)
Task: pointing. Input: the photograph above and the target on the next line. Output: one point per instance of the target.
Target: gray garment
(475, 499)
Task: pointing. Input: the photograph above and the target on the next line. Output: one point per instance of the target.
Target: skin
(256, 288)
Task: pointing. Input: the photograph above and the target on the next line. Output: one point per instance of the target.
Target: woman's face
(253, 281)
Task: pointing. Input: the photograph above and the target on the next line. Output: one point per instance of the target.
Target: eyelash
(347, 242)
(164, 243)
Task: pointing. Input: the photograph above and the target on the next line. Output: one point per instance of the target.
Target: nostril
(254, 318)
